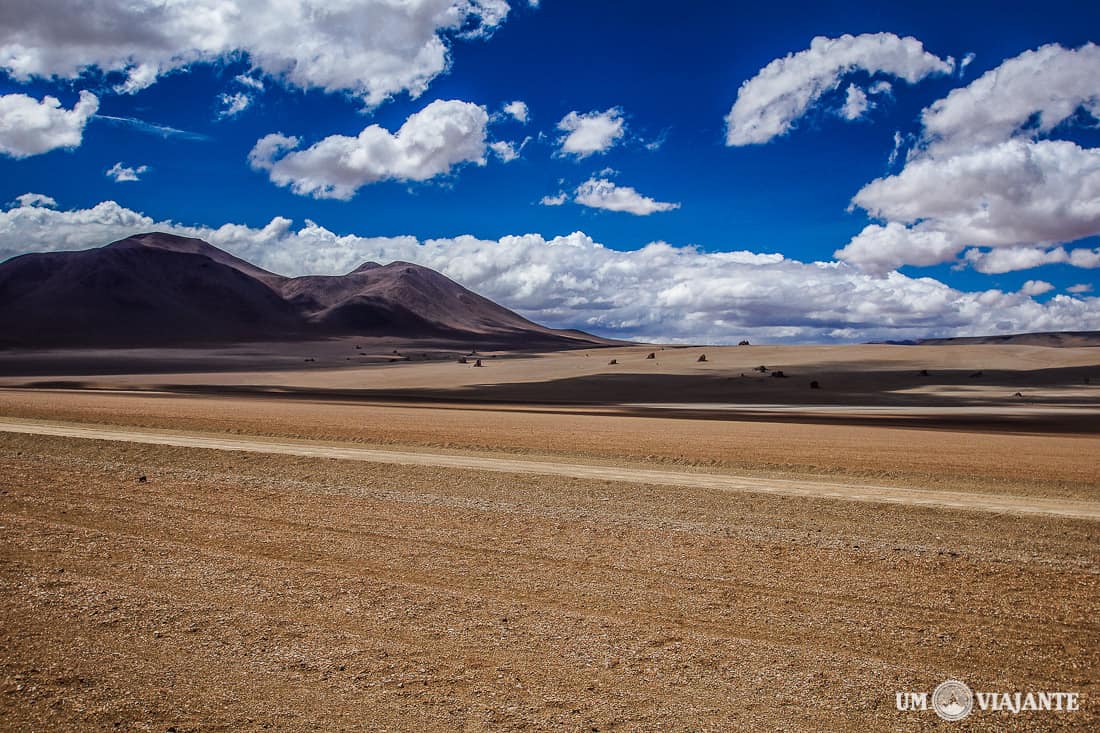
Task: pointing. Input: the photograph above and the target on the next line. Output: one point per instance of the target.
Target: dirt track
(802, 488)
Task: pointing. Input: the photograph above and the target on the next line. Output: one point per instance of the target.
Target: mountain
(1063, 339)
(159, 289)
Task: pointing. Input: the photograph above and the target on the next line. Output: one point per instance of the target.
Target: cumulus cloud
(1011, 259)
(34, 199)
(769, 104)
(1027, 95)
(981, 181)
(881, 248)
(25, 227)
(372, 49)
(122, 174)
(659, 292)
(430, 143)
(517, 110)
(504, 150)
(855, 103)
(234, 104)
(32, 127)
(1080, 288)
(600, 193)
(1017, 192)
(556, 200)
(1036, 287)
(592, 132)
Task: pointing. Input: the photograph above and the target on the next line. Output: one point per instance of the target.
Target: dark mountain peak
(164, 240)
(135, 293)
(365, 267)
(193, 245)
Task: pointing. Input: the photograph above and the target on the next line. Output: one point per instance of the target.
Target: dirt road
(798, 488)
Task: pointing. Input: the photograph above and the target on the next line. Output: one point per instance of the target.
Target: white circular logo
(952, 700)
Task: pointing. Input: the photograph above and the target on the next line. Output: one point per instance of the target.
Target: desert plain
(371, 535)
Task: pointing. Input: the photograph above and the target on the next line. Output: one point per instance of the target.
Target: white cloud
(658, 142)
(966, 61)
(1026, 95)
(556, 200)
(1080, 288)
(1012, 259)
(881, 248)
(600, 193)
(592, 132)
(34, 199)
(659, 292)
(771, 102)
(900, 141)
(855, 103)
(981, 179)
(233, 104)
(152, 128)
(121, 173)
(372, 49)
(249, 81)
(1014, 193)
(518, 111)
(30, 127)
(881, 87)
(506, 151)
(77, 229)
(431, 143)
(1036, 287)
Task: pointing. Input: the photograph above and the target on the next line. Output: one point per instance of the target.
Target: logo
(952, 700)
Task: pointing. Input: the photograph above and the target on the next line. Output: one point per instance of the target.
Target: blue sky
(670, 79)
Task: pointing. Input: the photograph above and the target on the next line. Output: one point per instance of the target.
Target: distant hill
(160, 289)
(1054, 338)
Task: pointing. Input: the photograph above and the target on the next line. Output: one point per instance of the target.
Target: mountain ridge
(157, 289)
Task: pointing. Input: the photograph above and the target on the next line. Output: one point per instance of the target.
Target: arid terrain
(374, 540)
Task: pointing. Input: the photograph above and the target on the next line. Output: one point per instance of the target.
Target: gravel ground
(234, 591)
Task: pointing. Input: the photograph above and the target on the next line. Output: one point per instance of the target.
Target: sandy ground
(999, 503)
(307, 560)
(874, 373)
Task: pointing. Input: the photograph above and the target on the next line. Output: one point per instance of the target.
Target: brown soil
(242, 591)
